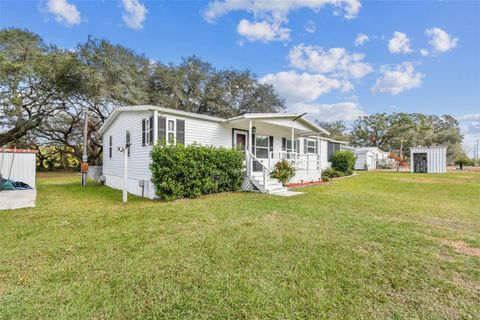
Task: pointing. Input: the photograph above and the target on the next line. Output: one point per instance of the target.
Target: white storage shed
(18, 165)
(428, 159)
(365, 159)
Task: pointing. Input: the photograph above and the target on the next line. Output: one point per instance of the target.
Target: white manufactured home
(264, 137)
(428, 159)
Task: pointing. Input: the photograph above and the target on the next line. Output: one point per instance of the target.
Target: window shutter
(296, 146)
(110, 147)
(316, 147)
(127, 141)
(180, 131)
(253, 143)
(271, 144)
(162, 129)
(143, 131)
(284, 144)
(151, 130)
(305, 146)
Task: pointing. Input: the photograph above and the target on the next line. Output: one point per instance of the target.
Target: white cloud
(135, 13)
(262, 31)
(311, 27)
(304, 87)
(424, 52)
(64, 12)
(278, 10)
(440, 40)
(270, 16)
(336, 61)
(470, 117)
(470, 128)
(361, 39)
(402, 77)
(346, 111)
(400, 43)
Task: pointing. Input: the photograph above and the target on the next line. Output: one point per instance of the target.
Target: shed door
(420, 163)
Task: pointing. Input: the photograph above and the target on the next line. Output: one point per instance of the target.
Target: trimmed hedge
(343, 161)
(180, 171)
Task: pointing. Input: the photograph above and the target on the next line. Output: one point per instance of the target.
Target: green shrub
(283, 171)
(329, 173)
(180, 171)
(343, 161)
(463, 161)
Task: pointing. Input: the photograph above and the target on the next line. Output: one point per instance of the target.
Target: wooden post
(84, 156)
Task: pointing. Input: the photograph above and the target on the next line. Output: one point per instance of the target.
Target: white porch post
(319, 154)
(125, 175)
(155, 126)
(250, 148)
(294, 155)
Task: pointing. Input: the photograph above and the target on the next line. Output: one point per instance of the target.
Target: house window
(311, 146)
(147, 131)
(262, 146)
(127, 141)
(287, 145)
(171, 132)
(110, 147)
(331, 149)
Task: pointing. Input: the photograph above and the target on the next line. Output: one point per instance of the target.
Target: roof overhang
(248, 116)
(160, 110)
(273, 116)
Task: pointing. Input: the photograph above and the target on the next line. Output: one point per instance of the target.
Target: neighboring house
(371, 158)
(273, 136)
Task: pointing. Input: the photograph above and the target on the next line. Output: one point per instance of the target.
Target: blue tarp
(6, 184)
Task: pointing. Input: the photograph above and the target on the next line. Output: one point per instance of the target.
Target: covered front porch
(267, 139)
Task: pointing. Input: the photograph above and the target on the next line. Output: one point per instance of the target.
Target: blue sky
(416, 56)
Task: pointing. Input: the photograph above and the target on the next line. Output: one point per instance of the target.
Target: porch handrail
(259, 161)
(252, 157)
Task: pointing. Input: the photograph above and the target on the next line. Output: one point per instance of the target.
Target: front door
(240, 140)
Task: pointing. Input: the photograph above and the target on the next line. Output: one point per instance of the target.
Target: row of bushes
(180, 171)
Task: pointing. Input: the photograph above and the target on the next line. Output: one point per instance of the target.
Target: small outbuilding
(17, 178)
(428, 159)
(370, 158)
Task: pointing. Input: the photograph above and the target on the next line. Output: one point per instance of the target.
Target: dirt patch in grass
(461, 247)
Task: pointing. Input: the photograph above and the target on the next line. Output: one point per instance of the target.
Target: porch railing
(302, 161)
(265, 169)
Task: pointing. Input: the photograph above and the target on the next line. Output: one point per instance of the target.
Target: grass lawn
(378, 245)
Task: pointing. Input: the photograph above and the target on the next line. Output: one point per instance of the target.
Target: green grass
(378, 245)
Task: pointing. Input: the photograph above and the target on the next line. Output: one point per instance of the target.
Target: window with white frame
(171, 131)
(311, 146)
(288, 146)
(262, 146)
(147, 131)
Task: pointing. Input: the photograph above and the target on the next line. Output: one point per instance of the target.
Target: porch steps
(271, 186)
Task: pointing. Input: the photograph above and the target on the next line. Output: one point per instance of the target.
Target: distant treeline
(397, 132)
